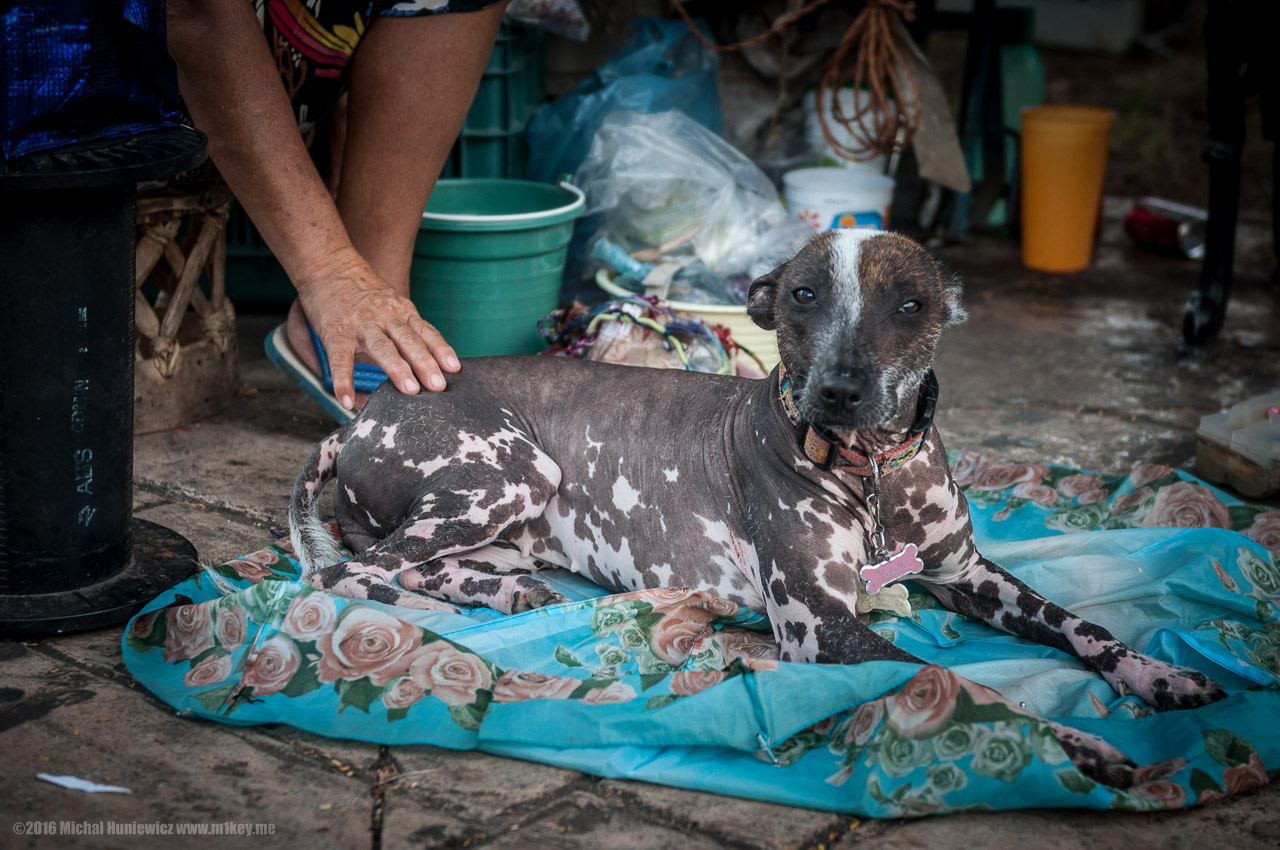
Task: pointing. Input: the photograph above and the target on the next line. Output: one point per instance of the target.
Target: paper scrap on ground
(75, 783)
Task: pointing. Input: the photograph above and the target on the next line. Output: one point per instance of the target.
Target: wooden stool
(186, 362)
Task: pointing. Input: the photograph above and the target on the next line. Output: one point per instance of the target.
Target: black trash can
(88, 108)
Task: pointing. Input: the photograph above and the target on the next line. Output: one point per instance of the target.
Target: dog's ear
(761, 298)
(952, 309)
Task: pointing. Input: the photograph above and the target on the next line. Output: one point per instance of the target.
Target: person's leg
(412, 83)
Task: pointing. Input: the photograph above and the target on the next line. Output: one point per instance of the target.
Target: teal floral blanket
(685, 689)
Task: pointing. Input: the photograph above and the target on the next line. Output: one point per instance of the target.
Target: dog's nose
(843, 392)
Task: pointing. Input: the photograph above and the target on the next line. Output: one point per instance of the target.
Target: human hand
(358, 315)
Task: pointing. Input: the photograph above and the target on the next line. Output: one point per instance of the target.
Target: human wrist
(320, 267)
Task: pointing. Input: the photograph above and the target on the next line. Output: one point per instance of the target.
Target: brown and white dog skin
(643, 478)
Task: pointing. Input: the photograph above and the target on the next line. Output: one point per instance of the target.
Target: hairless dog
(797, 496)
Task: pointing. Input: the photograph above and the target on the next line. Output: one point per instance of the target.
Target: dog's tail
(312, 542)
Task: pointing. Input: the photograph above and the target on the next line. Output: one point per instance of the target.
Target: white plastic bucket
(827, 198)
(850, 103)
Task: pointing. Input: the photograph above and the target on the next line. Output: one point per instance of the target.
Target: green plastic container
(254, 276)
(488, 261)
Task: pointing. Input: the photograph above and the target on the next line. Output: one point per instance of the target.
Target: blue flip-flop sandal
(367, 377)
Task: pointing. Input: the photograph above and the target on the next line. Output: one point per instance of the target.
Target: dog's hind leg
(495, 576)
(461, 511)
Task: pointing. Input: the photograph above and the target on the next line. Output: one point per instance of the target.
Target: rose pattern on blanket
(952, 729)
(1259, 580)
(689, 640)
(684, 639)
(1150, 496)
(930, 741)
(365, 655)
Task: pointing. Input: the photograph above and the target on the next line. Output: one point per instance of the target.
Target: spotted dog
(794, 495)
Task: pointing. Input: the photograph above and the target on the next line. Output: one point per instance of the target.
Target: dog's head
(858, 315)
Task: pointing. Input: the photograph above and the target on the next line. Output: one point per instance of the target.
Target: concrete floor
(1080, 370)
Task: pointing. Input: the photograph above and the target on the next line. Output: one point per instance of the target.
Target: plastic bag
(562, 17)
(663, 187)
(662, 67)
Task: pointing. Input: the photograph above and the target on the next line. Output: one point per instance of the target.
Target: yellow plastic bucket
(1064, 155)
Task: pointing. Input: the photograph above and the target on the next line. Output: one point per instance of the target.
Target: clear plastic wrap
(668, 190)
(562, 17)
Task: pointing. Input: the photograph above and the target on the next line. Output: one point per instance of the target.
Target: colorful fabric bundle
(640, 330)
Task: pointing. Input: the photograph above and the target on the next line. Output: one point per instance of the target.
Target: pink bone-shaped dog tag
(901, 563)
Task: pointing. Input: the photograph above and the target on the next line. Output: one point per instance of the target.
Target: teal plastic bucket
(488, 261)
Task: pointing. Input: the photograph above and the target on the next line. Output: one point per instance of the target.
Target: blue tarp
(684, 689)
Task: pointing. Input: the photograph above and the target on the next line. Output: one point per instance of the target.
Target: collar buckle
(807, 432)
(825, 452)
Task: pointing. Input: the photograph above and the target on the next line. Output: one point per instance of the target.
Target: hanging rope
(878, 124)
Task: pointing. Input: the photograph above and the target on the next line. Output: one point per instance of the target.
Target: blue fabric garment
(681, 688)
(79, 72)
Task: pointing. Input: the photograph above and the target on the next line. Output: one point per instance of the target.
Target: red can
(1167, 227)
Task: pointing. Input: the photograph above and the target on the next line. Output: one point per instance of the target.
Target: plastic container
(254, 275)
(815, 139)
(488, 260)
(1241, 448)
(1167, 227)
(1064, 155)
(746, 333)
(827, 198)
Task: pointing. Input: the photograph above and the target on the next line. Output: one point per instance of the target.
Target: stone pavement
(1080, 370)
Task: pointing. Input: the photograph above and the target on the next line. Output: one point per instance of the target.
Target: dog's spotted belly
(623, 544)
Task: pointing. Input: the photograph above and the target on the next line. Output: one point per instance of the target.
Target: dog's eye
(804, 295)
(912, 306)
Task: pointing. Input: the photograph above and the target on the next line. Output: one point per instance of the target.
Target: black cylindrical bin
(66, 366)
(71, 554)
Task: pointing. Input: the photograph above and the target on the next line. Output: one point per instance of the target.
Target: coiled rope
(877, 125)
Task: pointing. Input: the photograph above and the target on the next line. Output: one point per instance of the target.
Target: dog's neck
(861, 452)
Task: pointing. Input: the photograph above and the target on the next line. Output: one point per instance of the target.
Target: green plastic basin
(488, 261)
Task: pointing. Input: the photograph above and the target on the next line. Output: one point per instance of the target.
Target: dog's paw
(339, 579)
(1165, 687)
(419, 602)
(1183, 687)
(363, 582)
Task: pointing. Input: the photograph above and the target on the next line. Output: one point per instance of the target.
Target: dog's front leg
(817, 623)
(985, 591)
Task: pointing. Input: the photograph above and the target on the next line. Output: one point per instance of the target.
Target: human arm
(232, 89)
